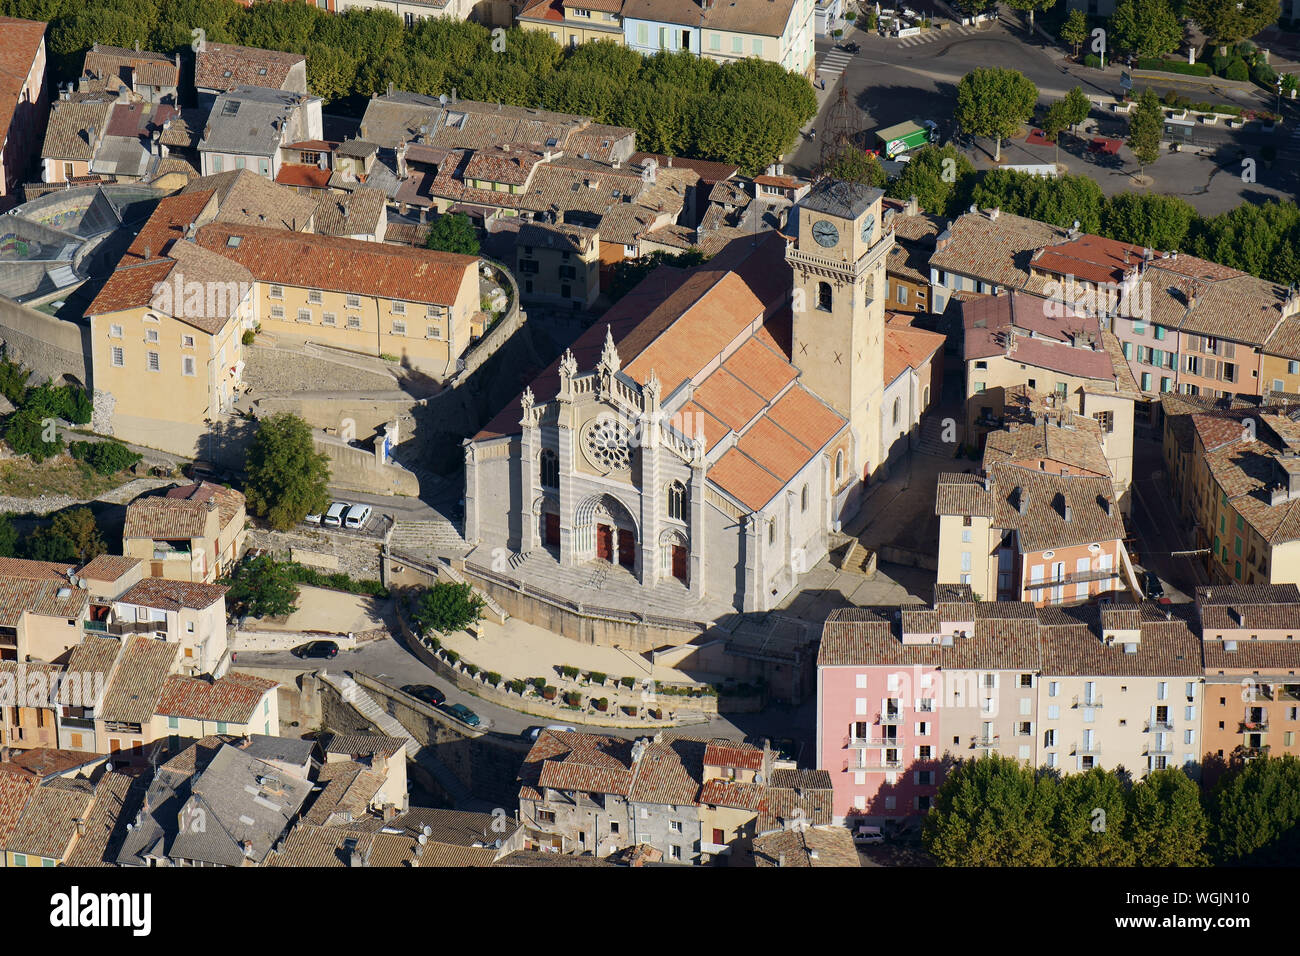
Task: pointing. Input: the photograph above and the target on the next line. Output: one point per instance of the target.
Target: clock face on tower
(825, 233)
(868, 227)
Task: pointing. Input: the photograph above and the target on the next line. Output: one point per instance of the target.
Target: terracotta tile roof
(48, 824)
(20, 44)
(246, 199)
(69, 133)
(728, 753)
(173, 595)
(731, 793)
(229, 501)
(1166, 648)
(157, 517)
(796, 798)
(137, 285)
(997, 251)
(1247, 594)
(308, 845)
(958, 493)
(669, 772)
(35, 570)
(552, 10)
(137, 682)
(231, 699)
(299, 174)
(1285, 340)
(869, 636)
(358, 213)
(907, 347)
(810, 847)
(349, 789)
(46, 598)
(223, 66)
(1043, 526)
(15, 789)
(104, 66)
(168, 222)
(589, 763)
(1262, 657)
(709, 172)
(1076, 444)
(342, 265)
(117, 798)
(362, 745)
(93, 658)
(1089, 258)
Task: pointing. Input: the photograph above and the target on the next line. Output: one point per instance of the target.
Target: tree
(992, 812)
(1054, 123)
(1148, 28)
(1257, 238)
(1077, 107)
(1225, 24)
(453, 232)
(992, 101)
(627, 273)
(1075, 30)
(1092, 820)
(287, 478)
(72, 536)
(1168, 823)
(1256, 808)
(1153, 220)
(940, 178)
(446, 607)
(1061, 201)
(262, 587)
(1146, 129)
(30, 433)
(745, 130)
(8, 536)
(1029, 6)
(856, 166)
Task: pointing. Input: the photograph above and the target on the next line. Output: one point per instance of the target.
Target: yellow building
(558, 265)
(571, 22)
(415, 305)
(191, 533)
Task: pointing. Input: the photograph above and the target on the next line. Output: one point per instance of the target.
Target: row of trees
(1153, 28)
(995, 811)
(71, 536)
(746, 112)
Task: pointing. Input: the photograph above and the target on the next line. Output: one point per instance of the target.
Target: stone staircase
(437, 535)
(859, 560)
(929, 441)
(385, 723)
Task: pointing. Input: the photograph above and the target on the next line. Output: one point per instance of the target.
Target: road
(892, 80)
(1159, 531)
(389, 661)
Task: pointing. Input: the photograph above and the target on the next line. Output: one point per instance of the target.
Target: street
(915, 78)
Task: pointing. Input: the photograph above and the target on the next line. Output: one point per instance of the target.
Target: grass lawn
(22, 478)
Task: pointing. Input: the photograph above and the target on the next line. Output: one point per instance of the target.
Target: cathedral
(697, 445)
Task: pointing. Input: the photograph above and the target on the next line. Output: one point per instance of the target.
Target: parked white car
(312, 519)
(334, 517)
(868, 836)
(357, 517)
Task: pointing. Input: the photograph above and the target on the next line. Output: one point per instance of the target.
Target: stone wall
(357, 469)
(509, 324)
(357, 557)
(298, 697)
(50, 347)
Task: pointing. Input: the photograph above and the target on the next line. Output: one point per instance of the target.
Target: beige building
(191, 533)
(40, 618)
(193, 708)
(558, 265)
(187, 614)
(385, 758)
(574, 22)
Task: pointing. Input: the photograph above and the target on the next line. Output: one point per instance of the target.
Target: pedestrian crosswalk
(834, 62)
(930, 36)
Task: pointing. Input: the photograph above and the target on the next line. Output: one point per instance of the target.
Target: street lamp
(1279, 96)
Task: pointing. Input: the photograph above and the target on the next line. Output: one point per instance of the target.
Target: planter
(1209, 119)
(630, 711)
(548, 693)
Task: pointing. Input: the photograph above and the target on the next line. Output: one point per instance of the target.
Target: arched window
(925, 398)
(824, 296)
(897, 407)
(771, 532)
(550, 470)
(839, 465)
(803, 498)
(677, 501)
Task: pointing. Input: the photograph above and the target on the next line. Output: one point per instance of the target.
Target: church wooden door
(604, 542)
(679, 562)
(626, 548)
(553, 530)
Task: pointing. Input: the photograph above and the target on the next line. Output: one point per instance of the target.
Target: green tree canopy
(1169, 825)
(992, 812)
(8, 536)
(1076, 106)
(1146, 27)
(453, 232)
(940, 178)
(1154, 220)
(1146, 129)
(1029, 6)
(446, 607)
(261, 587)
(1224, 23)
(287, 478)
(856, 166)
(628, 272)
(994, 102)
(1060, 201)
(72, 536)
(1075, 30)
(1092, 822)
(1256, 810)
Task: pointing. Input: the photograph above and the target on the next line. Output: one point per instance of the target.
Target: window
(314, 297)
(221, 726)
(737, 45)
(277, 312)
(902, 294)
(329, 318)
(839, 465)
(546, 816)
(187, 341)
(354, 321)
(304, 315)
(1293, 368)
(757, 46)
(115, 331)
(434, 332)
(151, 335)
(824, 296)
(277, 292)
(898, 405)
(187, 365)
(399, 328)
(399, 308)
(154, 362)
(803, 498)
(119, 357)
(1146, 381)
(715, 41)
(979, 387)
(354, 302)
(1026, 680)
(771, 533)
(173, 723)
(675, 852)
(1106, 420)
(550, 469)
(677, 501)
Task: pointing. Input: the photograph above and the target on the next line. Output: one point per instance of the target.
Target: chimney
(1066, 513)
(994, 213)
(248, 848)
(390, 89)
(913, 205)
(1022, 500)
(780, 860)
(137, 46)
(81, 826)
(390, 811)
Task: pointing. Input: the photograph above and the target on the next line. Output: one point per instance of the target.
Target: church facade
(703, 439)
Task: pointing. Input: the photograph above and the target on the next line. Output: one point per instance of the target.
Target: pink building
(24, 104)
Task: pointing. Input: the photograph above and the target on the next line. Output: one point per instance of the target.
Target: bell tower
(838, 260)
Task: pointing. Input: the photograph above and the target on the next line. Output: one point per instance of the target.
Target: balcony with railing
(979, 742)
(1092, 747)
(120, 628)
(1086, 701)
(1159, 726)
(869, 762)
(1156, 746)
(866, 743)
(1256, 724)
(890, 717)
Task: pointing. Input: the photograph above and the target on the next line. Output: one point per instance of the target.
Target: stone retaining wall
(357, 557)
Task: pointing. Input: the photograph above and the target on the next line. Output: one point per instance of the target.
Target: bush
(628, 682)
(1092, 60)
(602, 704)
(837, 33)
(630, 711)
(452, 658)
(1174, 66)
(447, 607)
(850, 16)
(13, 379)
(1264, 75)
(471, 670)
(106, 457)
(515, 685)
(597, 677)
(569, 672)
(573, 698)
(1237, 70)
(248, 337)
(539, 683)
(26, 434)
(493, 678)
(434, 643)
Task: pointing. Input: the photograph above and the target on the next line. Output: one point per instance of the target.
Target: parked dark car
(426, 693)
(463, 714)
(326, 649)
(849, 47)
